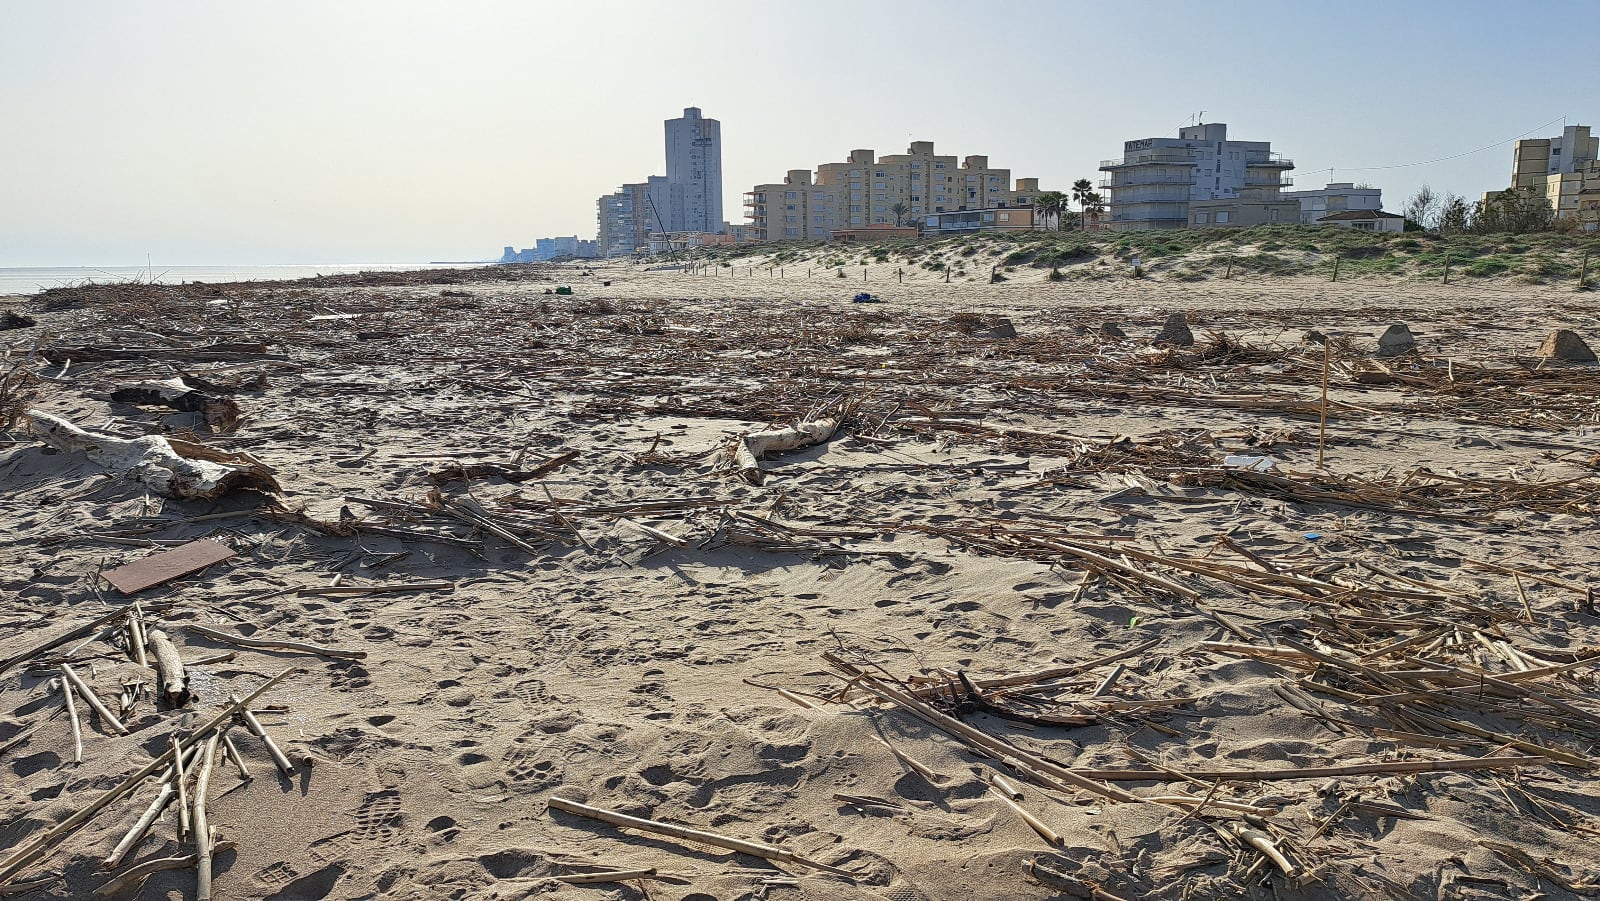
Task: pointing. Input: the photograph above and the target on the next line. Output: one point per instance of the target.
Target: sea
(32, 280)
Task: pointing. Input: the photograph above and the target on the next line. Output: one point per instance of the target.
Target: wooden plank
(168, 565)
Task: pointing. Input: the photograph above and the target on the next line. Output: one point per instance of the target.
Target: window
(855, 207)
(916, 165)
(988, 217)
(878, 209)
(791, 218)
(789, 207)
(1201, 218)
(938, 165)
(1272, 215)
(972, 178)
(878, 185)
(880, 197)
(788, 195)
(1222, 217)
(915, 198)
(878, 175)
(916, 209)
(855, 220)
(791, 231)
(1005, 217)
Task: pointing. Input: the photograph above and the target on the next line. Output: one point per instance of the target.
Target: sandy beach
(1110, 573)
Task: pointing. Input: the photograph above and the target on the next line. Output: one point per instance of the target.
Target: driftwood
(746, 452)
(273, 645)
(93, 700)
(605, 876)
(1321, 772)
(28, 851)
(259, 731)
(72, 715)
(167, 466)
(135, 875)
(159, 803)
(202, 828)
(755, 849)
(73, 634)
(221, 412)
(169, 666)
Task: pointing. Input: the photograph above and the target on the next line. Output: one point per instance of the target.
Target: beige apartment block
(895, 190)
(1565, 169)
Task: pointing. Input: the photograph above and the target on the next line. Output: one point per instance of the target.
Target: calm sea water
(32, 280)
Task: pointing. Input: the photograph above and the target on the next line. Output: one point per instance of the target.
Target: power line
(1442, 158)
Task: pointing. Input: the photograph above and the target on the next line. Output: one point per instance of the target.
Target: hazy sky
(400, 130)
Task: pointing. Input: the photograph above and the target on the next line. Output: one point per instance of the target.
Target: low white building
(1337, 197)
(1366, 221)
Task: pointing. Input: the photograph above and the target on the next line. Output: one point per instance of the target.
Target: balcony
(1150, 158)
(1138, 181)
(1270, 161)
(1267, 181)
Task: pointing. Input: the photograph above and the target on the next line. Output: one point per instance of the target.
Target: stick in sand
(94, 701)
(159, 803)
(755, 849)
(1322, 429)
(202, 830)
(135, 875)
(31, 850)
(255, 727)
(271, 645)
(72, 714)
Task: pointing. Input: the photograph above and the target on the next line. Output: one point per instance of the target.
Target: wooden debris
(133, 876)
(26, 852)
(169, 467)
(602, 876)
(72, 716)
(259, 731)
(745, 453)
(221, 412)
(169, 667)
(93, 700)
(276, 645)
(168, 565)
(755, 849)
(201, 824)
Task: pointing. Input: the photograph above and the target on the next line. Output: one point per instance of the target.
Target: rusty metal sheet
(167, 565)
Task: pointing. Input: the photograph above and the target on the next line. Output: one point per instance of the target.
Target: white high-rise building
(694, 173)
(1153, 183)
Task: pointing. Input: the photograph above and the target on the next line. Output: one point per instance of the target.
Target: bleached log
(748, 451)
(170, 667)
(169, 467)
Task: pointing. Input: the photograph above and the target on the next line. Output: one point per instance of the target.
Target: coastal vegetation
(1192, 254)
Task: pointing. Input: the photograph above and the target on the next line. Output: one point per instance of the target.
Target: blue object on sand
(864, 297)
(1313, 536)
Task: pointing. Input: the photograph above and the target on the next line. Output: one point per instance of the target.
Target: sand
(602, 663)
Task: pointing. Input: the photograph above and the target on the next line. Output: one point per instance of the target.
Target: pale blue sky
(400, 130)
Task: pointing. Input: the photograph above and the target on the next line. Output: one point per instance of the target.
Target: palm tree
(1081, 189)
(899, 210)
(1094, 206)
(1049, 204)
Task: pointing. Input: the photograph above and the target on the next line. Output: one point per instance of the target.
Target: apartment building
(1534, 160)
(1337, 197)
(1156, 179)
(626, 217)
(694, 173)
(865, 190)
(1565, 169)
